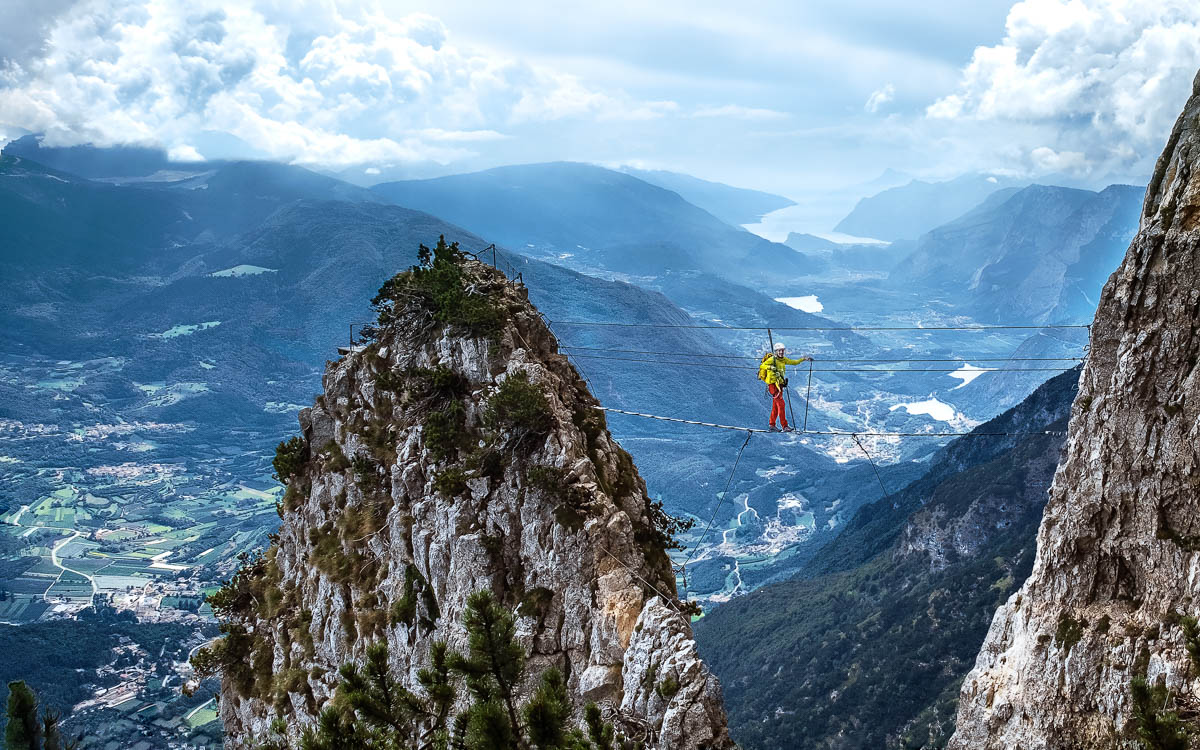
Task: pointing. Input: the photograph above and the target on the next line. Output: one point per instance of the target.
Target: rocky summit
(1100, 648)
(457, 451)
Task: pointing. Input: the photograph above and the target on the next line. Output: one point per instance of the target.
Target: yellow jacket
(773, 369)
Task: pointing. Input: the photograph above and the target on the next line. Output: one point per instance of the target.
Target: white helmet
(779, 346)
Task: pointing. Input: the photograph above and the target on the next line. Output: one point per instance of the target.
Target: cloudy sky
(781, 95)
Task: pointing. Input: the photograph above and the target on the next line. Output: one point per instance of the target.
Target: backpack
(762, 373)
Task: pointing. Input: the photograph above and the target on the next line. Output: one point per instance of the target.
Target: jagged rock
(1119, 547)
(365, 527)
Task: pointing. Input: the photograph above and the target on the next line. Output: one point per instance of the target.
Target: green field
(201, 717)
(22, 609)
(72, 586)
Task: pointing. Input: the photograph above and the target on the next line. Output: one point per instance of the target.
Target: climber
(773, 372)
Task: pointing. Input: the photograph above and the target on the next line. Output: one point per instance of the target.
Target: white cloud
(184, 152)
(437, 134)
(1109, 75)
(880, 97)
(737, 111)
(1046, 159)
(312, 82)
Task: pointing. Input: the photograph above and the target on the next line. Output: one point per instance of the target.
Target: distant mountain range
(1040, 254)
(729, 204)
(592, 215)
(910, 210)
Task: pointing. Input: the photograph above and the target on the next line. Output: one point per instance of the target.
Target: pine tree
(547, 712)
(493, 667)
(24, 731)
(1157, 727)
(373, 711)
(52, 735)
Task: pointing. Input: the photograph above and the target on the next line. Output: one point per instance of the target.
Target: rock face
(386, 531)
(1027, 255)
(1118, 563)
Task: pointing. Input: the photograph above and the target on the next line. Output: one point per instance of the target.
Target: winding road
(16, 521)
(54, 560)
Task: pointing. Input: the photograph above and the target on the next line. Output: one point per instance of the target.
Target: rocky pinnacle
(385, 535)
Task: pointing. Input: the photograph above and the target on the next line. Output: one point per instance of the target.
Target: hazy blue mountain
(1042, 349)
(844, 262)
(1040, 254)
(868, 646)
(888, 178)
(805, 243)
(87, 161)
(909, 211)
(731, 205)
(563, 210)
(52, 218)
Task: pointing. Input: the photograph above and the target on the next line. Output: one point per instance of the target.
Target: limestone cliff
(1117, 574)
(439, 462)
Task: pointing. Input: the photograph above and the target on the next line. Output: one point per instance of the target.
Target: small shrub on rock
(667, 688)
(445, 431)
(520, 406)
(335, 459)
(571, 502)
(535, 602)
(436, 291)
(451, 482)
(290, 456)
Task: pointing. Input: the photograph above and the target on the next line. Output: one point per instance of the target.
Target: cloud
(737, 111)
(880, 97)
(437, 134)
(1108, 75)
(184, 152)
(311, 82)
(1046, 159)
(23, 33)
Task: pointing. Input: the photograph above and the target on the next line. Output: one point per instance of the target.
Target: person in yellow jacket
(773, 372)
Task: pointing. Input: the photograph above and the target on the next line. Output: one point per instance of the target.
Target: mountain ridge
(1027, 256)
(539, 207)
(732, 205)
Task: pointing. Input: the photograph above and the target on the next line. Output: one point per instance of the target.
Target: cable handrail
(843, 433)
(743, 368)
(605, 323)
(753, 358)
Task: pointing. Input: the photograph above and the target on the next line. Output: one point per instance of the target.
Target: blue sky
(782, 96)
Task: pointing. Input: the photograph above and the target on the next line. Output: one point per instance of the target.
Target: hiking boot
(773, 428)
(786, 428)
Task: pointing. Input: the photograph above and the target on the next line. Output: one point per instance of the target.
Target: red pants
(778, 407)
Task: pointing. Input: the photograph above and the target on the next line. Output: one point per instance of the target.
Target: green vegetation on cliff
(373, 710)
